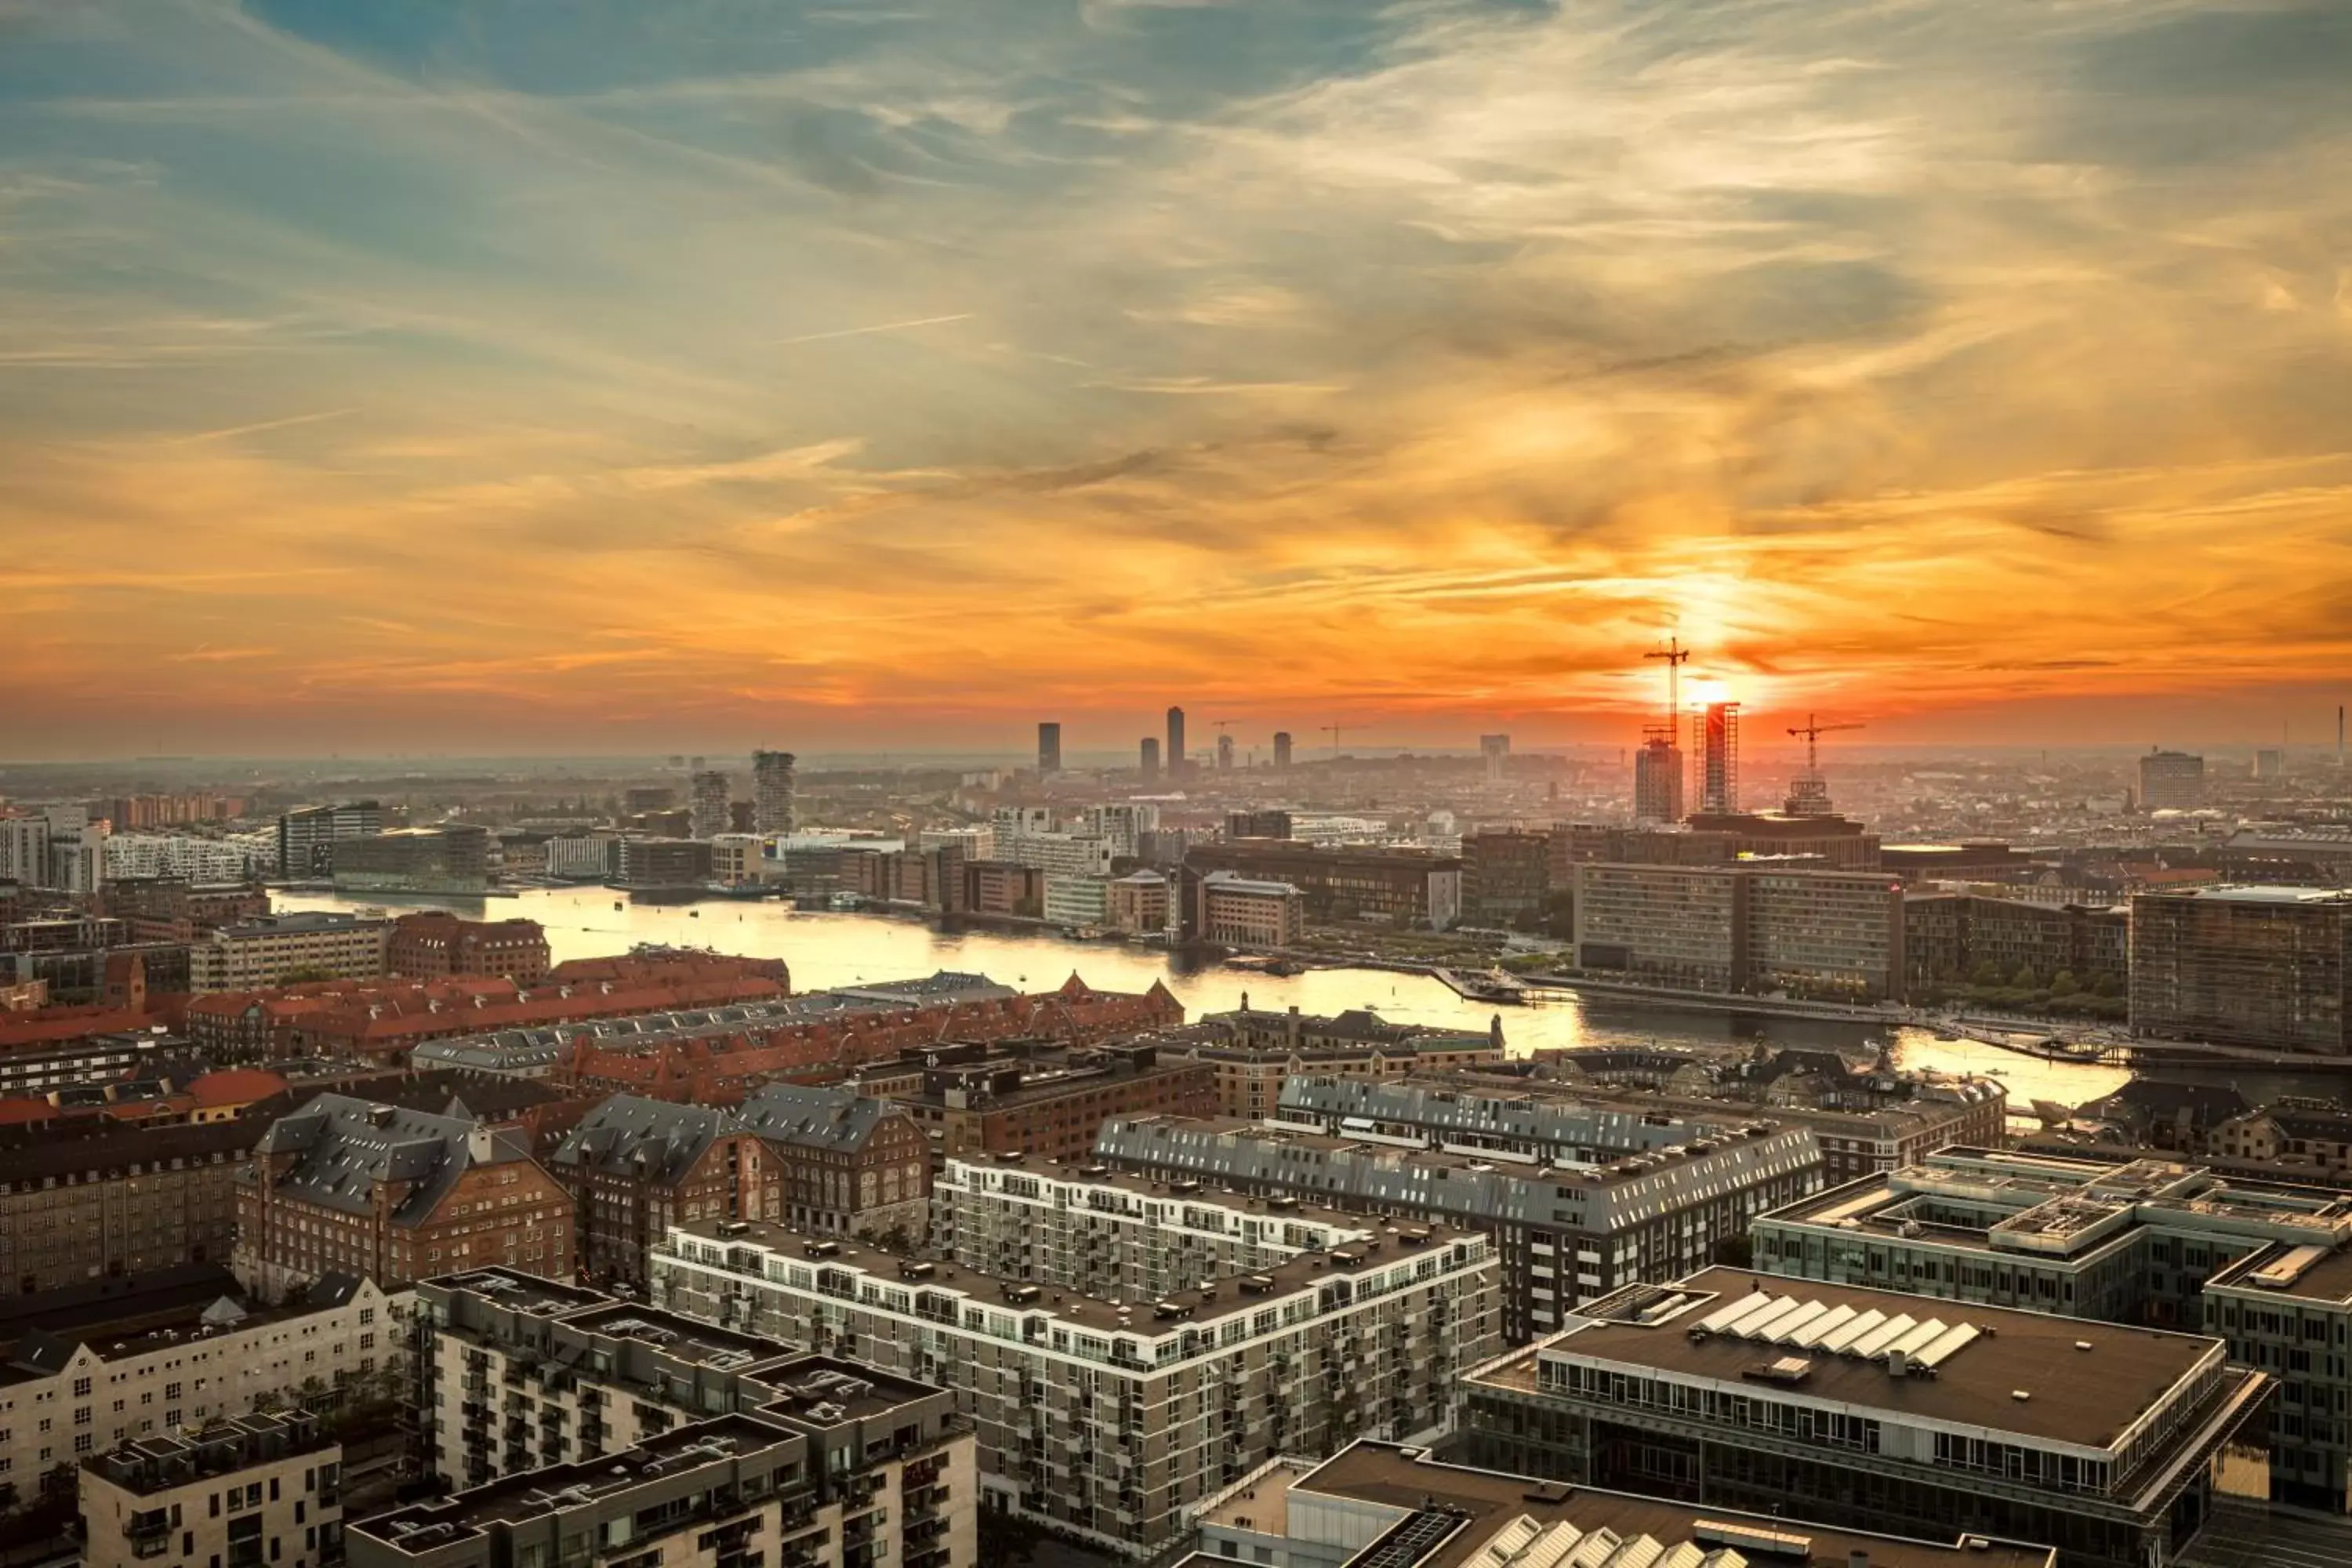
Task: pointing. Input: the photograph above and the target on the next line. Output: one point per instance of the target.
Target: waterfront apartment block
(1749, 926)
(1093, 1230)
(1949, 937)
(1249, 912)
(1340, 883)
(244, 1491)
(1385, 1505)
(2268, 967)
(271, 948)
(1108, 1418)
(1654, 1199)
(570, 1417)
(1877, 1409)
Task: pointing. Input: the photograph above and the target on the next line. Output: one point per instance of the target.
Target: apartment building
(240, 1492)
(1748, 926)
(1654, 1198)
(1401, 1507)
(1093, 1230)
(1051, 1107)
(1109, 1419)
(2287, 1309)
(393, 1194)
(102, 1199)
(1255, 1052)
(2269, 967)
(1342, 882)
(2299, 1137)
(1505, 875)
(634, 1166)
(271, 948)
(528, 1386)
(1949, 937)
(1876, 1409)
(437, 946)
(68, 1394)
(835, 1160)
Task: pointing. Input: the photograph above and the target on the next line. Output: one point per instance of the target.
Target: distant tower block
(1658, 778)
(1150, 762)
(1178, 763)
(1494, 747)
(1224, 753)
(772, 783)
(1282, 748)
(709, 806)
(1049, 750)
(1718, 748)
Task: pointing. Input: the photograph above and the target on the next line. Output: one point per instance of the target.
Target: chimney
(1293, 1026)
(1898, 1364)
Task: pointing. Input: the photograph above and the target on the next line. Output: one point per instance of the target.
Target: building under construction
(1715, 752)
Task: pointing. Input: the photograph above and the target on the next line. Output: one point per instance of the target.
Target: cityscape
(1162, 783)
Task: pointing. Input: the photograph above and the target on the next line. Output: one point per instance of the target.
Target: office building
(1658, 779)
(306, 837)
(1282, 749)
(772, 783)
(738, 859)
(1716, 759)
(393, 1194)
(1078, 903)
(1049, 750)
(1258, 822)
(1140, 903)
(634, 1166)
(245, 1490)
(1148, 763)
(102, 1199)
(1642, 1199)
(1387, 1505)
(658, 863)
(1412, 888)
(1001, 887)
(451, 858)
(1948, 938)
(1179, 763)
(707, 797)
(144, 1365)
(1245, 913)
(839, 1162)
(578, 1422)
(1049, 1105)
(1747, 927)
(2171, 780)
(56, 848)
(1495, 751)
(2287, 1308)
(2268, 967)
(185, 856)
(1875, 1409)
(1830, 843)
(1109, 1419)
(272, 950)
(1505, 875)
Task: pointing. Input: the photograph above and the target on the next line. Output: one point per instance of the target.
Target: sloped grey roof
(815, 1118)
(632, 1136)
(344, 1147)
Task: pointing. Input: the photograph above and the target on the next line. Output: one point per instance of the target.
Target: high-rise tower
(710, 805)
(1494, 749)
(1717, 743)
(1282, 748)
(1049, 750)
(1151, 765)
(1178, 764)
(772, 781)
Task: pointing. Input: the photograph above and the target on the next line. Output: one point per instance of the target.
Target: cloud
(1427, 360)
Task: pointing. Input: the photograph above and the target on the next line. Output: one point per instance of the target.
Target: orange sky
(389, 382)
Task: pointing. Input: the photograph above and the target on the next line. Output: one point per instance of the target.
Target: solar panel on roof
(1715, 1319)
(1821, 1327)
(1838, 1342)
(1886, 1334)
(1421, 1534)
(1945, 1344)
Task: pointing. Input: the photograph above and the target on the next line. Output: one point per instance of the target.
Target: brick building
(1505, 875)
(1050, 1106)
(393, 1195)
(436, 945)
(99, 1199)
(636, 1166)
(841, 1162)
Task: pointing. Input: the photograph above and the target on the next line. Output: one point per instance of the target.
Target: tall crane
(1808, 793)
(1333, 731)
(1675, 653)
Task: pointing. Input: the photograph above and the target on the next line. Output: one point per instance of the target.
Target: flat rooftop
(2256, 894)
(2076, 1395)
(1136, 1314)
(423, 1527)
(683, 1339)
(1201, 1193)
(1491, 1500)
(520, 1292)
(2325, 1279)
(822, 1391)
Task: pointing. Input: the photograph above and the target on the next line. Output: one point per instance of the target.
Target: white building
(54, 846)
(1124, 823)
(67, 1394)
(1077, 900)
(1057, 854)
(181, 854)
(736, 859)
(265, 950)
(585, 858)
(1110, 1418)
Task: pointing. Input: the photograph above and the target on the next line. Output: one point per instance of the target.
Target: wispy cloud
(862, 331)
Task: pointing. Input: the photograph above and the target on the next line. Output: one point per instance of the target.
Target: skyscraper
(2173, 781)
(1151, 756)
(1224, 753)
(1658, 778)
(1494, 748)
(1178, 765)
(708, 802)
(1049, 750)
(773, 780)
(1282, 748)
(1719, 757)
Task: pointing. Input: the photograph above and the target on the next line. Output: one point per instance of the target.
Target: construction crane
(1808, 793)
(1812, 730)
(1675, 653)
(1333, 731)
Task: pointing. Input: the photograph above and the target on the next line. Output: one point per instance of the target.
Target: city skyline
(838, 379)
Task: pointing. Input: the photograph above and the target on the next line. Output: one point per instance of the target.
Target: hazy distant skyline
(495, 378)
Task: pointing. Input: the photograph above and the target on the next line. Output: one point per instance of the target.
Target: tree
(2065, 983)
(1987, 974)
(2025, 979)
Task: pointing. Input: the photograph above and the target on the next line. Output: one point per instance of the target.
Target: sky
(511, 376)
